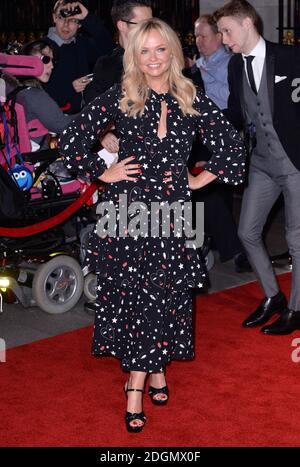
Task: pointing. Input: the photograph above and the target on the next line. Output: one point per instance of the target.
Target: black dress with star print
(144, 302)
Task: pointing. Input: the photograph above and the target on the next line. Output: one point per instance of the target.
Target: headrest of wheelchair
(21, 65)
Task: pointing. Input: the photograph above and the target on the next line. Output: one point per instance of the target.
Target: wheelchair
(44, 226)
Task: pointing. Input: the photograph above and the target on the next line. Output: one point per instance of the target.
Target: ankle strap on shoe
(132, 389)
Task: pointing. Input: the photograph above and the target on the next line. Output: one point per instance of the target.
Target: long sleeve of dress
(222, 139)
(81, 134)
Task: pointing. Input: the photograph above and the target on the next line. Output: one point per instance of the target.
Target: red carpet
(241, 390)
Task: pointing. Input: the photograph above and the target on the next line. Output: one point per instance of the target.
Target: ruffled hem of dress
(127, 367)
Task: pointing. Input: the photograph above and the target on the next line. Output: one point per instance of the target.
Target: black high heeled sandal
(155, 391)
(130, 417)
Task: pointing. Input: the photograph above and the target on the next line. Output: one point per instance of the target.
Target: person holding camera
(76, 53)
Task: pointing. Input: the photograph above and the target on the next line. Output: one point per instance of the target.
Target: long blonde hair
(134, 84)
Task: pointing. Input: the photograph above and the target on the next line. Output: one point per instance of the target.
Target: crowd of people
(228, 112)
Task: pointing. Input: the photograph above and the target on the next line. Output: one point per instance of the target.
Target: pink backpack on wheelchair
(15, 132)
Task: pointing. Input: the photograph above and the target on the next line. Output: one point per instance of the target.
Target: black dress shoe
(288, 322)
(267, 308)
(90, 307)
(241, 263)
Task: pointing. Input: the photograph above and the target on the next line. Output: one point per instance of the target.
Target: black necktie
(250, 72)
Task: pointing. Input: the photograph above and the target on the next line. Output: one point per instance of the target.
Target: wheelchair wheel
(90, 287)
(58, 284)
(84, 239)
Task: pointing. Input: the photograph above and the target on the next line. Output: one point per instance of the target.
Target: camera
(64, 13)
(88, 78)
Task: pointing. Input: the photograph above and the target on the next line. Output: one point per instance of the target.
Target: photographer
(76, 54)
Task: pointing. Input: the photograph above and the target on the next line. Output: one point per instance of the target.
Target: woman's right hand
(200, 180)
(121, 171)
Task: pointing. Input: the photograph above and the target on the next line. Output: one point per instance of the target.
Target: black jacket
(194, 74)
(107, 71)
(283, 61)
(75, 60)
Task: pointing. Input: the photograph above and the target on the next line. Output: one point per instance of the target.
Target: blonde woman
(144, 303)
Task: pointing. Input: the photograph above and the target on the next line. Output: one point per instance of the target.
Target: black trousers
(219, 222)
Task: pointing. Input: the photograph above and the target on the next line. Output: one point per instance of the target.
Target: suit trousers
(259, 196)
(219, 222)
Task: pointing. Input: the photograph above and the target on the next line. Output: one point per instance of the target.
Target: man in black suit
(261, 76)
(109, 68)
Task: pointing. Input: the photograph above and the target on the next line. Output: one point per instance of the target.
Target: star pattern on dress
(144, 301)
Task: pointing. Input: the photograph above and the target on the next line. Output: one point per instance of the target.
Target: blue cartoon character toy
(22, 176)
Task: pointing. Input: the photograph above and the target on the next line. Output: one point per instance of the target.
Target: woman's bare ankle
(135, 398)
(157, 380)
